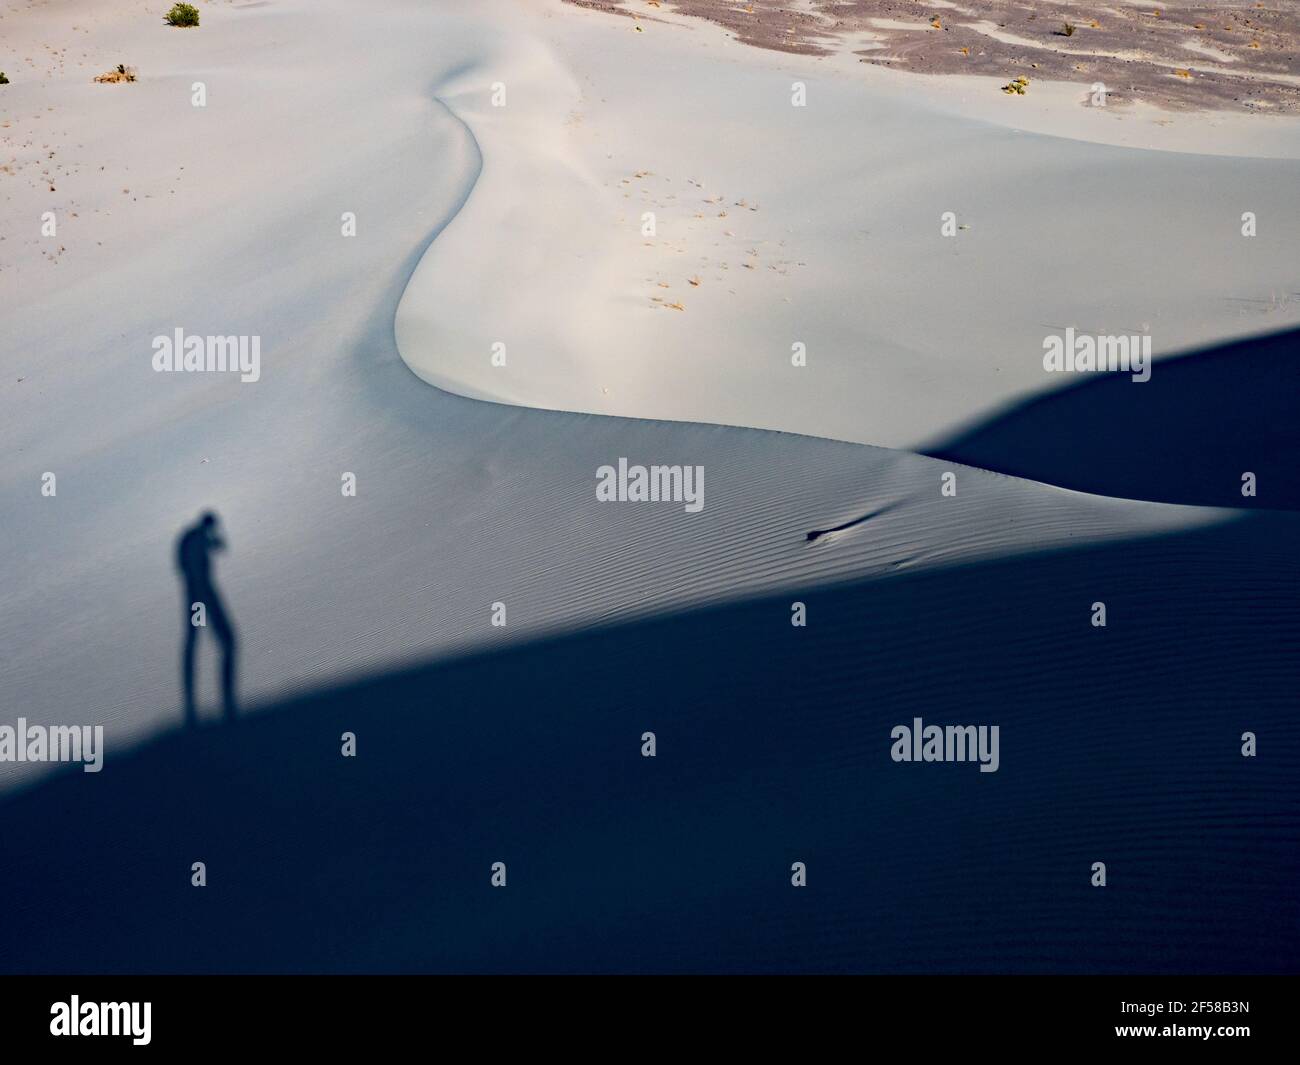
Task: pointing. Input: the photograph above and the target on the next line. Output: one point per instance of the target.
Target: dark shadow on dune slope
(1185, 436)
(1119, 745)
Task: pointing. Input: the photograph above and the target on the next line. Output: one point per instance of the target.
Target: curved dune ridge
(656, 231)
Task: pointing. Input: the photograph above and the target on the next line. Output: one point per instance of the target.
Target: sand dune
(230, 224)
(933, 587)
(771, 230)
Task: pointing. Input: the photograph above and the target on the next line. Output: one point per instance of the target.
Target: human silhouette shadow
(193, 551)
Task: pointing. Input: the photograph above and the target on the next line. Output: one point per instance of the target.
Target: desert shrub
(122, 73)
(1067, 30)
(182, 15)
(3, 79)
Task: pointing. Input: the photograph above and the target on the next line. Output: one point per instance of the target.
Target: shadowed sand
(1119, 745)
(1186, 436)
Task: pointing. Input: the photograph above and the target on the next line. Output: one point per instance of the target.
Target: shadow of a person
(203, 606)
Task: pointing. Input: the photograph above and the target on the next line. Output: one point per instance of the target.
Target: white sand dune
(226, 220)
(820, 225)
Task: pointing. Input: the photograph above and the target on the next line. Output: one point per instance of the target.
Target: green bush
(182, 15)
(3, 79)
